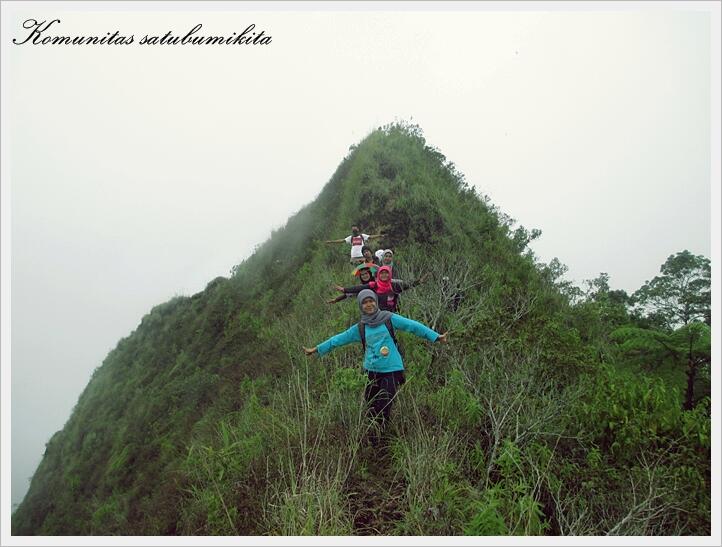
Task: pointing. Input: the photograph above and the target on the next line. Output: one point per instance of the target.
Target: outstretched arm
(347, 337)
(340, 297)
(355, 290)
(419, 329)
(401, 285)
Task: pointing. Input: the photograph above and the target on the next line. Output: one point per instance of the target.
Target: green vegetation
(553, 411)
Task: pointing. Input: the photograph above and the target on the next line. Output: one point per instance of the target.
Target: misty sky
(139, 173)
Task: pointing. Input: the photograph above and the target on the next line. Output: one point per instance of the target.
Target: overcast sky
(142, 172)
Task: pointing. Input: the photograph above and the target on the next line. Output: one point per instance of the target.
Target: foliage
(688, 346)
(681, 294)
(539, 418)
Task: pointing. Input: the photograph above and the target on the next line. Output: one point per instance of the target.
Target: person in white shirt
(357, 240)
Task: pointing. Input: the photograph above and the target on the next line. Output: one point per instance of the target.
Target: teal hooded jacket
(378, 341)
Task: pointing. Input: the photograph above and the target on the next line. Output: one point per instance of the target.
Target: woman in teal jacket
(382, 360)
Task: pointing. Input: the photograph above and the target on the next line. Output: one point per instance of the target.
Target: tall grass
(209, 420)
(318, 448)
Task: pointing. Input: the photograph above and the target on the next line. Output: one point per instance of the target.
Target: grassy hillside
(208, 418)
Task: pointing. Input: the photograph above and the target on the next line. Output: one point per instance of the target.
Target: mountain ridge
(208, 418)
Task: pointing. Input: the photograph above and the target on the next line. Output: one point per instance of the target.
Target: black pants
(380, 392)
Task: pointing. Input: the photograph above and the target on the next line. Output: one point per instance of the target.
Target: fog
(136, 173)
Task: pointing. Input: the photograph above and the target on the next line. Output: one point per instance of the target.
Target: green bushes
(626, 413)
(455, 404)
(209, 420)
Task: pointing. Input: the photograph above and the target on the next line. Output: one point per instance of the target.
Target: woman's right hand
(339, 288)
(443, 338)
(309, 351)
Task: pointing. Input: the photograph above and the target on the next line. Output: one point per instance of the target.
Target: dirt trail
(376, 493)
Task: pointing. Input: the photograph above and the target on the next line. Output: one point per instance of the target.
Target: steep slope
(208, 419)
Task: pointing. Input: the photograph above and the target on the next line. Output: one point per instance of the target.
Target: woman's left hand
(443, 338)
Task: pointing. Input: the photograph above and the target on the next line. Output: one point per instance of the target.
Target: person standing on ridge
(365, 274)
(369, 258)
(365, 266)
(357, 240)
(387, 259)
(386, 289)
(382, 361)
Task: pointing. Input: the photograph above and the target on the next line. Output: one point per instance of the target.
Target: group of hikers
(378, 299)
